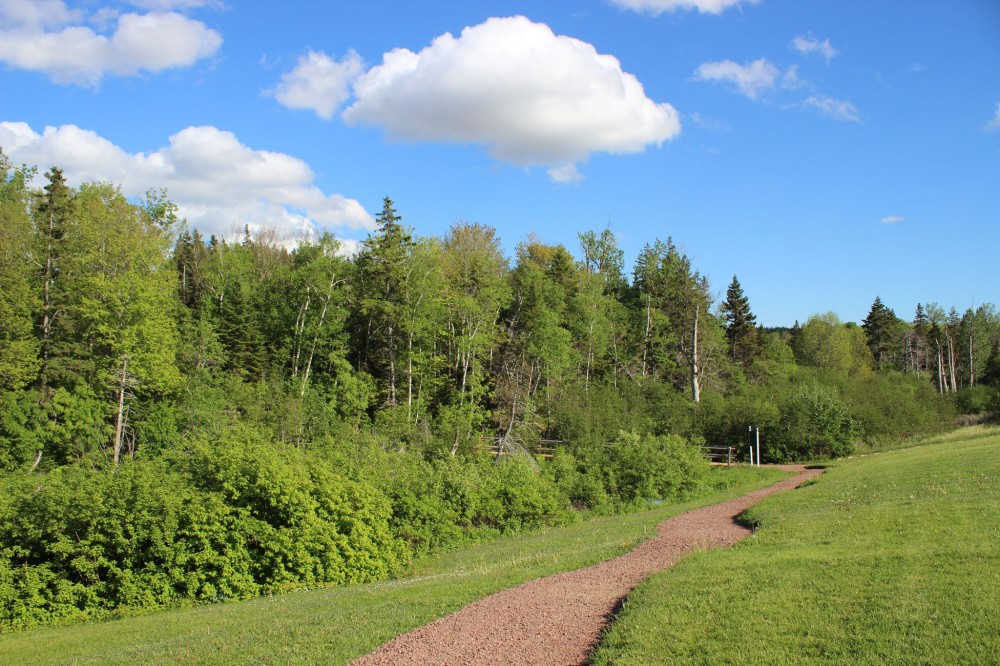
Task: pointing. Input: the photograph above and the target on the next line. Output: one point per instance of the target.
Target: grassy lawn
(332, 626)
(892, 558)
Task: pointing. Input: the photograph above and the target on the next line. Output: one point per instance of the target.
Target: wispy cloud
(810, 45)
(750, 79)
(838, 109)
(565, 173)
(994, 124)
(892, 219)
(657, 7)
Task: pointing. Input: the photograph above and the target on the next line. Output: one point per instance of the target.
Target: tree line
(184, 418)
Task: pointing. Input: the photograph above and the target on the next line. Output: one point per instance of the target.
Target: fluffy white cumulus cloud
(35, 14)
(530, 96)
(218, 183)
(750, 79)
(46, 36)
(657, 7)
(809, 45)
(318, 83)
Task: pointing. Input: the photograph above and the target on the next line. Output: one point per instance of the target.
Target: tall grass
(332, 626)
(886, 559)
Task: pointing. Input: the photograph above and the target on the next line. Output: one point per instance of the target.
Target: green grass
(332, 626)
(891, 558)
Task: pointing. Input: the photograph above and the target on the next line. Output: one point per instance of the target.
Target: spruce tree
(741, 325)
(53, 212)
(382, 267)
(881, 331)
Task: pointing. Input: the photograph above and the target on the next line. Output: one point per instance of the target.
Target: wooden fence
(719, 455)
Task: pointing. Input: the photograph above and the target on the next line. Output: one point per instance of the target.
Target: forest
(187, 420)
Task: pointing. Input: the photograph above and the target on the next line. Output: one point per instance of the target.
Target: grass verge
(335, 625)
(888, 559)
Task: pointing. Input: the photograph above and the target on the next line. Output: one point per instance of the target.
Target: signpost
(753, 437)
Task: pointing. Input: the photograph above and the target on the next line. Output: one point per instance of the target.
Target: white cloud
(657, 7)
(809, 45)
(759, 76)
(46, 36)
(565, 173)
(892, 219)
(750, 79)
(790, 80)
(994, 124)
(319, 83)
(170, 5)
(531, 97)
(34, 14)
(218, 183)
(839, 109)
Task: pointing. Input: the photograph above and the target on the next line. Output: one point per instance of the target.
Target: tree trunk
(951, 364)
(972, 362)
(409, 377)
(120, 423)
(940, 368)
(300, 326)
(47, 315)
(392, 367)
(645, 343)
(319, 330)
(695, 380)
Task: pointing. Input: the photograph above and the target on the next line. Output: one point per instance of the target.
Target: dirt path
(558, 620)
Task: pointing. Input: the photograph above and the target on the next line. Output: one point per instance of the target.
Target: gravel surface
(559, 619)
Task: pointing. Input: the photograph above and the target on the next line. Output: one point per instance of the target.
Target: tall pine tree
(741, 325)
(382, 272)
(881, 333)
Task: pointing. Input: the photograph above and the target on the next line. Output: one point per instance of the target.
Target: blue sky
(824, 151)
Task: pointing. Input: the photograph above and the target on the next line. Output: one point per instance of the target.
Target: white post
(757, 430)
(750, 443)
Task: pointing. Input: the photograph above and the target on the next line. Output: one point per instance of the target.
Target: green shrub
(978, 399)
(642, 468)
(814, 423)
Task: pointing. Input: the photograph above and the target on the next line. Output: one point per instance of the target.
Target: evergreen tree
(382, 270)
(881, 329)
(675, 298)
(53, 213)
(741, 325)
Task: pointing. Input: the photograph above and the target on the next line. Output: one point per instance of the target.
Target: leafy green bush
(227, 519)
(814, 423)
(76, 540)
(978, 399)
(639, 468)
(894, 405)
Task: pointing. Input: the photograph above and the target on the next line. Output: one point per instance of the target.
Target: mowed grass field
(891, 558)
(335, 625)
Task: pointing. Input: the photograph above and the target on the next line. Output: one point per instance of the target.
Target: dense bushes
(628, 472)
(230, 522)
(232, 517)
(808, 413)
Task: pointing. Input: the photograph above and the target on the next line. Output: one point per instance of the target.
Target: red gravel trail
(559, 619)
